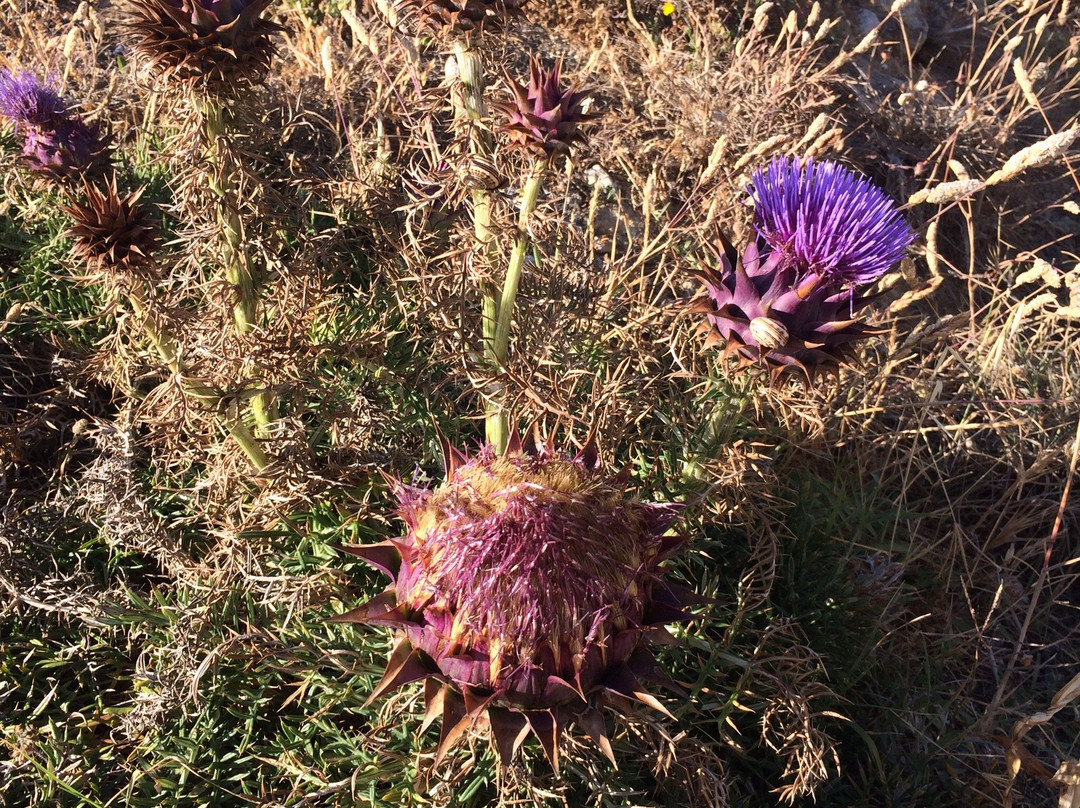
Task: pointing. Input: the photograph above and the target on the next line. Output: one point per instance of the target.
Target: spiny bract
(525, 593)
(543, 117)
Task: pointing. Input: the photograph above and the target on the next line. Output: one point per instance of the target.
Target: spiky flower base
(525, 593)
(446, 17)
(111, 232)
(759, 313)
(218, 46)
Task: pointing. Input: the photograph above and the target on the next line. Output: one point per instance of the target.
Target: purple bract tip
(828, 221)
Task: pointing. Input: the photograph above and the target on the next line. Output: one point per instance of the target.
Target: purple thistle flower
(55, 143)
(28, 101)
(528, 588)
(829, 223)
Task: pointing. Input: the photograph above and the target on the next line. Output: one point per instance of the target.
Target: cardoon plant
(57, 144)
(525, 594)
(115, 237)
(545, 119)
(216, 50)
(461, 24)
(791, 300)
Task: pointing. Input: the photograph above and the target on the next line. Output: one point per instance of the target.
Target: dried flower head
(217, 45)
(525, 592)
(757, 311)
(454, 17)
(544, 117)
(831, 225)
(56, 143)
(111, 233)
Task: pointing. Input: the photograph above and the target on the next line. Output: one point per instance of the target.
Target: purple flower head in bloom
(831, 224)
(28, 101)
(56, 143)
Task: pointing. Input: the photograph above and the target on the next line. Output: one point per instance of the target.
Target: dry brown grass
(964, 418)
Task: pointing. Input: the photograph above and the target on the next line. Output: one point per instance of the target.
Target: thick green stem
(203, 393)
(505, 310)
(471, 75)
(234, 253)
(235, 257)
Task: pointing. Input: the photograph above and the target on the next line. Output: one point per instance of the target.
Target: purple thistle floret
(526, 591)
(28, 101)
(55, 143)
(831, 224)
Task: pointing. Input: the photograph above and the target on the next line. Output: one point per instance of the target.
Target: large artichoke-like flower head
(56, 143)
(543, 117)
(758, 313)
(453, 17)
(219, 46)
(791, 300)
(112, 232)
(830, 224)
(525, 593)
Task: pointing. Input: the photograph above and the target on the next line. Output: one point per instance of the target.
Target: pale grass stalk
(946, 192)
(1024, 80)
(1035, 155)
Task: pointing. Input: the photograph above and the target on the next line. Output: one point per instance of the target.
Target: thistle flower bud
(543, 117)
(218, 45)
(111, 233)
(525, 591)
(56, 143)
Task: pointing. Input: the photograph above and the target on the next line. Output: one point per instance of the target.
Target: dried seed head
(112, 233)
(219, 46)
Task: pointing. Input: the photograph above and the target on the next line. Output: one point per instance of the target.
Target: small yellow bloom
(668, 9)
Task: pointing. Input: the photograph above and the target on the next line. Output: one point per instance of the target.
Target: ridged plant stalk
(471, 75)
(529, 195)
(207, 397)
(235, 257)
(234, 252)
